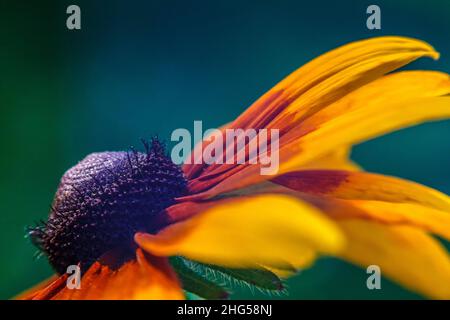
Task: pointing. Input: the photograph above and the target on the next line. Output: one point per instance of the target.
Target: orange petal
(142, 278)
(44, 290)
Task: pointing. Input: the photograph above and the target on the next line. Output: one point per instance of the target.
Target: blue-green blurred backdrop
(137, 68)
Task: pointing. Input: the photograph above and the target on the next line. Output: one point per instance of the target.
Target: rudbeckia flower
(140, 227)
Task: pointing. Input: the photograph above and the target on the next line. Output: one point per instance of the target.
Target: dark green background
(138, 68)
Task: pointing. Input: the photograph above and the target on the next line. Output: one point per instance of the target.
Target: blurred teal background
(138, 68)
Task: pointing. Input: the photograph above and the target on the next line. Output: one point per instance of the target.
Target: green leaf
(195, 283)
(261, 278)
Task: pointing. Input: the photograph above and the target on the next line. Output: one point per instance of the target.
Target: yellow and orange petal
(337, 100)
(353, 185)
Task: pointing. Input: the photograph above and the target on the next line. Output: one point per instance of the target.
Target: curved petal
(428, 219)
(303, 94)
(353, 185)
(360, 125)
(142, 278)
(348, 129)
(399, 86)
(270, 230)
(390, 213)
(331, 76)
(352, 128)
(404, 254)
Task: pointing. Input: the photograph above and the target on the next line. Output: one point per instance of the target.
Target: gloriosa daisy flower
(142, 228)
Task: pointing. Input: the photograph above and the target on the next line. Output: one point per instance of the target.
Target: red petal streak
(312, 181)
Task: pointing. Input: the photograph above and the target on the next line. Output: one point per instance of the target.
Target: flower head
(122, 215)
(103, 201)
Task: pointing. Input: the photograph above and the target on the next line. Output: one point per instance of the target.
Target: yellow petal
(271, 230)
(406, 255)
(389, 213)
(338, 160)
(353, 185)
(331, 76)
(387, 104)
(356, 75)
(399, 86)
(428, 219)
